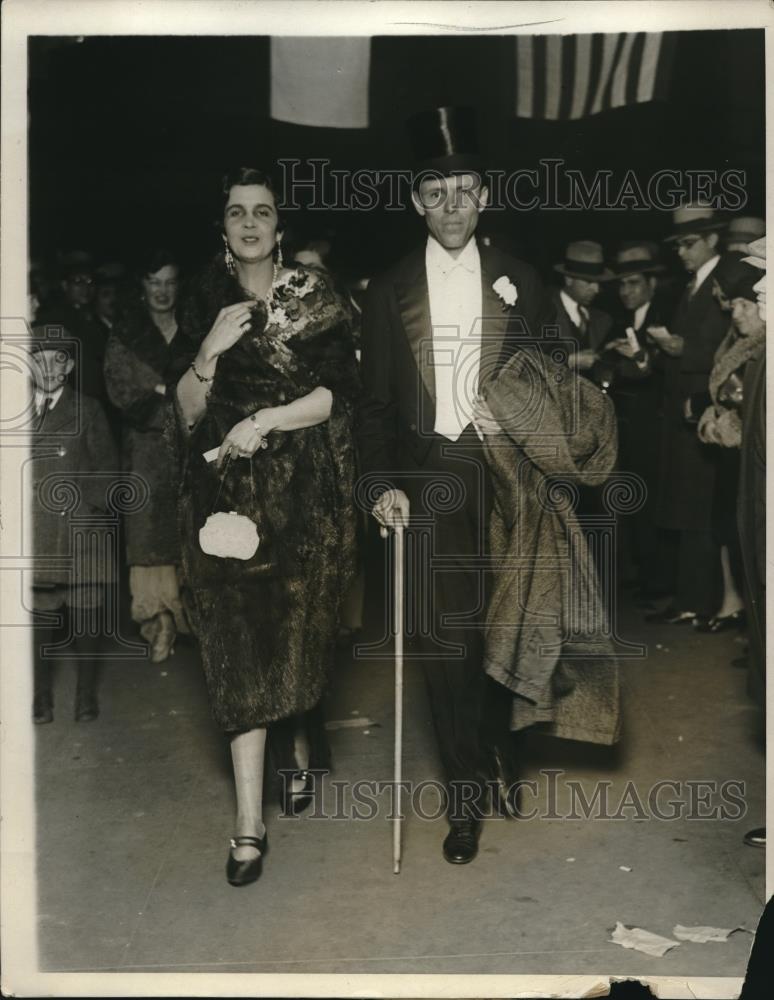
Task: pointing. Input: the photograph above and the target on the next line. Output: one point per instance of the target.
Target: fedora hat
(445, 140)
(690, 220)
(745, 229)
(637, 258)
(584, 259)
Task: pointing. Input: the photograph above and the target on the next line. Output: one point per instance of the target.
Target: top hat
(690, 220)
(745, 229)
(735, 278)
(445, 140)
(584, 259)
(636, 258)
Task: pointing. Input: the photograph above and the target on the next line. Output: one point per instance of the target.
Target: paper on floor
(642, 940)
(700, 935)
(360, 722)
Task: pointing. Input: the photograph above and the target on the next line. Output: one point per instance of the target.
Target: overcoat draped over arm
(547, 634)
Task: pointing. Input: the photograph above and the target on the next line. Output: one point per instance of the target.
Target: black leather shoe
(461, 844)
(721, 623)
(245, 872)
(86, 706)
(756, 837)
(42, 709)
(671, 616)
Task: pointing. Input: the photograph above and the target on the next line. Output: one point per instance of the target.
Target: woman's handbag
(234, 540)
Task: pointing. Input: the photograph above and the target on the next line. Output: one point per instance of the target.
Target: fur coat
(137, 359)
(547, 637)
(267, 630)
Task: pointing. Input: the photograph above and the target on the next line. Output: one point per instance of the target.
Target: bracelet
(202, 378)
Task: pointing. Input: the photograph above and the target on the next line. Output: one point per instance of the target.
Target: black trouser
(471, 712)
(85, 649)
(698, 573)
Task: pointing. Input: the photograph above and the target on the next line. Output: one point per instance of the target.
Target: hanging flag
(559, 77)
(320, 81)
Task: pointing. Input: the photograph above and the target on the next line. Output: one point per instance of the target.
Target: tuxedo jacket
(397, 408)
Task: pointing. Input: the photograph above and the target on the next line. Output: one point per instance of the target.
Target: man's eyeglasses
(81, 279)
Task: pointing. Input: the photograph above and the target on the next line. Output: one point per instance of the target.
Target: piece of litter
(624, 868)
(354, 711)
(641, 940)
(670, 697)
(659, 646)
(666, 649)
(361, 722)
(173, 711)
(366, 732)
(138, 815)
(701, 935)
(570, 859)
(163, 673)
(679, 739)
(119, 760)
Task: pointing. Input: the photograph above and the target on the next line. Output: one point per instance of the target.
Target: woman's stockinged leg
(247, 755)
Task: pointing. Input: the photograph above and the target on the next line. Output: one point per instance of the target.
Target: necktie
(583, 325)
(692, 286)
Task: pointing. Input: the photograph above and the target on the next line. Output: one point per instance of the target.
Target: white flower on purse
(506, 289)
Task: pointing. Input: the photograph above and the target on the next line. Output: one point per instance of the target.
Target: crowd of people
(250, 399)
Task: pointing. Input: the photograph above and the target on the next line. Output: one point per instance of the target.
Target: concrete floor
(135, 812)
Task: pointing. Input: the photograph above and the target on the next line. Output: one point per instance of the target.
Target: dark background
(129, 137)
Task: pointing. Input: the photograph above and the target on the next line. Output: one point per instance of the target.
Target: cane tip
(396, 868)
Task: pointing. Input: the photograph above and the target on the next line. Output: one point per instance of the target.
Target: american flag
(571, 76)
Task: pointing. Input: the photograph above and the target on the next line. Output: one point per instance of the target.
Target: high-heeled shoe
(721, 623)
(245, 872)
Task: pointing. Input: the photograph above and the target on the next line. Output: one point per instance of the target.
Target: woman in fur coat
(721, 425)
(141, 357)
(264, 437)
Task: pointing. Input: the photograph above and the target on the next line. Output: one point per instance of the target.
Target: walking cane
(398, 632)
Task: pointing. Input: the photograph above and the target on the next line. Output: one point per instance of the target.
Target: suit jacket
(688, 465)
(598, 330)
(397, 408)
(73, 465)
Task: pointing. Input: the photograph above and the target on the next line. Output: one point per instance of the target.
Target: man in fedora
(436, 326)
(687, 476)
(583, 269)
(742, 231)
(637, 361)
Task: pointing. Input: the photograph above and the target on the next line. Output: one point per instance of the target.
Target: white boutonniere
(506, 289)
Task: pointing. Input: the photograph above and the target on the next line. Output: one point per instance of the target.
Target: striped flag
(321, 81)
(560, 77)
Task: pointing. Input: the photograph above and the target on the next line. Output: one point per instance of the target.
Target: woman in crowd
(721, 425)
(141, 357)
(268, 399)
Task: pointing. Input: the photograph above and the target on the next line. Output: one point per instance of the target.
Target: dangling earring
(279, 253)
(228, 257)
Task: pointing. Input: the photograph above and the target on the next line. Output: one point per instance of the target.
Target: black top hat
(445, 140)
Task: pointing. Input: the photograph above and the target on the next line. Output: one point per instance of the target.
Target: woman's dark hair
(153, 261)
(245, 176)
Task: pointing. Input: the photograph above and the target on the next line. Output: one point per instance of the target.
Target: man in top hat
(436, 326)
(637, 362)
(742, 231)
(687, 477)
